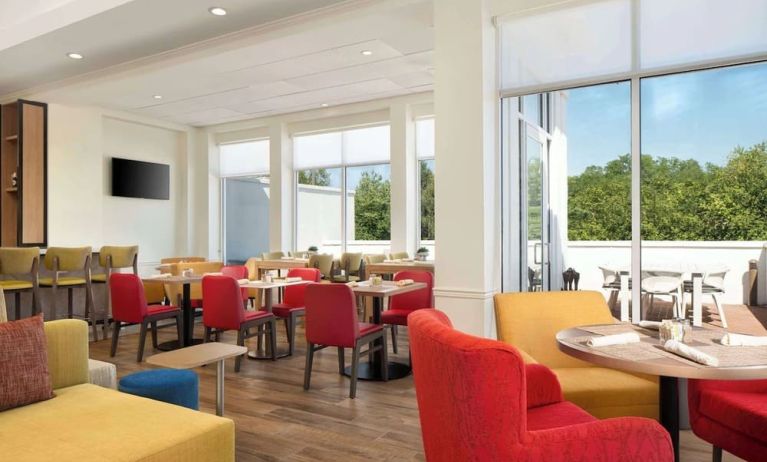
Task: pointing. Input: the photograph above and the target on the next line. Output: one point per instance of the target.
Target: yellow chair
(67, 260)
(530, 321)
(276, 255)
(21, 264)
(399, 256)
(253, 294)
(324, 263)
(113, 257)
(351, 264)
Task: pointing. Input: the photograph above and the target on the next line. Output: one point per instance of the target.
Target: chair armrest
(67, 347)
(629, 439)
(542, 386)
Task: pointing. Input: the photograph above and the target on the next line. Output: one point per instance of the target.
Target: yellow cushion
(18, 260)
(100, 277)
(91, 423)
(67, 281)
(15, 285)
(608, 393)
(67, 341)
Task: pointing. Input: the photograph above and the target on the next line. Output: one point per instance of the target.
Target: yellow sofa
(530, 322)
(85, 422)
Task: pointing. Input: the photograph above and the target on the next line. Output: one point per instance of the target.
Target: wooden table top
(257, 284)
(197, 355)
(386, 289)
(174, 279)
(396, 266)
(648, 356)
(286, 263)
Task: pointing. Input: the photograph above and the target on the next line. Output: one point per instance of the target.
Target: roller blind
(366, 145)
(249, 158)
(310, 151)
(369, 145)
(424, 138)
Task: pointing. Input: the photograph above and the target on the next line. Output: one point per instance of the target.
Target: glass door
(535, 267)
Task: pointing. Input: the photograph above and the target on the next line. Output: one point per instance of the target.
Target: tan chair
(169, 260)
(113, 257)
(174, 291)
(374, 258)
(67, 260)
(276, 255)
(530, 321)
(351, 265)
(324, 263)
(399, 256)
(299, 254)
(22, 265)
(254, 295)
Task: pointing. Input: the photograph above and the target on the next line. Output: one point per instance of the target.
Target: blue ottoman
(175, 386)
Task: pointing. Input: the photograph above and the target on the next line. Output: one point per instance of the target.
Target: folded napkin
(694, 354)
(293, 279)
(160, 276)
(352, 284)
(243, 281)
(743, 340)
(405, 282)
(287, 258)
(654, 325)
(213, 273)
(615, 339)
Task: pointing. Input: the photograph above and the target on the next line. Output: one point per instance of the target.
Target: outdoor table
(187, 330)
(648, 357)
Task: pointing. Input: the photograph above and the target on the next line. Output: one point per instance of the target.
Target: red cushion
(398, 317)
(556, 415)
(744, 412)
(283, 311)
(195, 303)
(251, 315)
(367, 328)
(157, 309)
(24, 376)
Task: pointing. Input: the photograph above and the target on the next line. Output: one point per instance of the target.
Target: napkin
(160, 276)
(243, 281)
(293, 279)
(352, 284)
(654, 325)
(405, 282)
(615, 339)
(743, 340)
(690, 353)
(213, 273)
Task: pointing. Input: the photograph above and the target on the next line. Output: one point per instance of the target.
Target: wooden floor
(277, 420)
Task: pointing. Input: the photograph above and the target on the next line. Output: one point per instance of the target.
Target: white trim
(636, 205)
(462, 293)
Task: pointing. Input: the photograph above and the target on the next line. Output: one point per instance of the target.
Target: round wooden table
(666, 366)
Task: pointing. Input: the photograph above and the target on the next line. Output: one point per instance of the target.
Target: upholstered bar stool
(111, 258)
(21, 265)
(70, 260)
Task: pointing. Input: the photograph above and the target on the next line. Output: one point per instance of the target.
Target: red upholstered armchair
(731, 415)
(478, 401)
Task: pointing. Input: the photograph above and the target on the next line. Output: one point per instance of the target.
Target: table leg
(669, 410)
(260, 349)
(187, 330)
(220, 388)
(697, 299)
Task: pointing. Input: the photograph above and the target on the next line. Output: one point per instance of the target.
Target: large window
(245, 194)
(343, 197)
(424, 133)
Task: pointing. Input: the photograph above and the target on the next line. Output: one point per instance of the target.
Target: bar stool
(22, 265)
(65, 260)
(111, 258)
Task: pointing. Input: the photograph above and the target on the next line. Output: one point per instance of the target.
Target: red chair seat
(367, 328)
(250, 315)
(561, 414)
(395, 316)
(743, 412)
(283, 310)
(157, 309)
(195, 303)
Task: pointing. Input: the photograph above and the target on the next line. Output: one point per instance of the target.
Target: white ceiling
(289, 65)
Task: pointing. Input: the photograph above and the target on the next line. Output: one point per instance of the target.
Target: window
(424, 134)
(343, 198)
(245, 198)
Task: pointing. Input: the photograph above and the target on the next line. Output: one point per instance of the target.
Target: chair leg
(341, 364)
(393, 338)
(292, 334)
(384, 359)
(115, 335)
(720, 309)
(308, 367)
(206, 335)
(53, 313)
(17, 305)
(90, 311)
(154, 334)
(273, 338)
(141, 341)
(355, 369)
(717, 454)
(240, 342)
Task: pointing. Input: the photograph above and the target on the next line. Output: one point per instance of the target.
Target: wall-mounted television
(134, 178)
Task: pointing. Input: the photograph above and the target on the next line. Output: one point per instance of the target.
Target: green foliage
(316, 177)
(372, 220)
(427, 201)
(681, 200)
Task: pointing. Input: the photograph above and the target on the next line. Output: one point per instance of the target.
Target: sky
(701, 115)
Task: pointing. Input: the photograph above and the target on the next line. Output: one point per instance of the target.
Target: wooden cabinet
(23, 174)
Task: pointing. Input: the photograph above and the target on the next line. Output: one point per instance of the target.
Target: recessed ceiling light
(324, 104)
(217, 11)
(75, 55)
(157, 96)
(366, 52)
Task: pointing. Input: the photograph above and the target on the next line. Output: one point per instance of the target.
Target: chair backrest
(299, 254)
(416, 299)
(609, 276)
(716, 279)
(323, 262)
(374, 258)
(223, 303)
(198, 268)
(118, 256)
(398, 255)
(128, 299)
(530, 321)
(351, 262)
(182, 260)
(462, 383)
(69, 258)
(275, 255)
(294, 295)
(331, 315)
(250, 264)
(237, 272)
(19, 260)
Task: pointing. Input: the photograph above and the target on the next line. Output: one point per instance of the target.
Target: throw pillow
(24, 376)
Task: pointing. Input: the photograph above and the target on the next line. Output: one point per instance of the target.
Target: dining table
(395, 266)
(286, 263)
(187, 328)
(649, 357)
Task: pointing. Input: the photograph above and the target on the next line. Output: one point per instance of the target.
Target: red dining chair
(331, 320)
(731, 415)
(479, 401)
(237, 272)
(400, 306)
(129, 306)
(292, 306)
(224, 311)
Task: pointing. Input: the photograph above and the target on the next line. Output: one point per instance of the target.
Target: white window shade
(566, 44)
(311, 151)
(424, 138)
(366, 145)
(250, 158)
(686, 31)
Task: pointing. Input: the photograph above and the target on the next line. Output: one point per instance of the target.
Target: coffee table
(200, 355)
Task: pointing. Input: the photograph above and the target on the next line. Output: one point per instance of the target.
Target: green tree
(427, 201)
(316, 177)
(372, 211)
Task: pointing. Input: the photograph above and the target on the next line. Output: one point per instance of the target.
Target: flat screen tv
(146, 180)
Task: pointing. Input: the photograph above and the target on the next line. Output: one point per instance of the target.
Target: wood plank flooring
(276, 420)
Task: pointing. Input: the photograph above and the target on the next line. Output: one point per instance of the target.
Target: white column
(403, 178)
(281, 188)
(466, 179)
